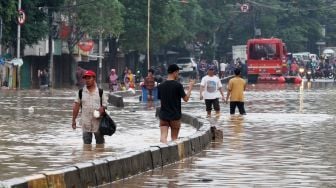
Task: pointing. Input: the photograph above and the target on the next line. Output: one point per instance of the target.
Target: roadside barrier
(109, 169)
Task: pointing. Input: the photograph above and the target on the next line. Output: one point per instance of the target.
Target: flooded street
(36, 133)
(287, 139)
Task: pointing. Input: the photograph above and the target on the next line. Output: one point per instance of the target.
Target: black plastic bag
(107, 125)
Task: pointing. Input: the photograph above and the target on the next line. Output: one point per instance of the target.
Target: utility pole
(100, 58)
(148, 32)
(18, 48)
(100, 54)
(1, 23)
(51, 53)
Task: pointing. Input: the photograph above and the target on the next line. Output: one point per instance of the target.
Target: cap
(172, 68)
(112, 70)
(89, 73)
(211, 68)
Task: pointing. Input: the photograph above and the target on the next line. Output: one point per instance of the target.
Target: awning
(16, 62)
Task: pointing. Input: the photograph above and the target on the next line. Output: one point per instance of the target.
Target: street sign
(21, 17)
(86, 45)
(244, 8)
(320, 43)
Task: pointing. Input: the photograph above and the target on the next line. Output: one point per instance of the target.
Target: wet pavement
(36, 133)
(287, 139)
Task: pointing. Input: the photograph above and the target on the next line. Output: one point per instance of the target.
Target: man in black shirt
(170, 93)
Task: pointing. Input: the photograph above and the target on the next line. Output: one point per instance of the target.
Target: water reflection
(286, 140)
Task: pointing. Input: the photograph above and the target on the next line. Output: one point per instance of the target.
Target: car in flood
(188, 66)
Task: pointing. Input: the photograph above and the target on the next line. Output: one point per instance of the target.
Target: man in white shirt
(222, 69)
(211, 90)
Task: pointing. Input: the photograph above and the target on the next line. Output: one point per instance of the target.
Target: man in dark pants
(236, 88)
(92, 109)
(170, 93)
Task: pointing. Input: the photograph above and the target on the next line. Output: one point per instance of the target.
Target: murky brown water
(36, 133)
(287, 139)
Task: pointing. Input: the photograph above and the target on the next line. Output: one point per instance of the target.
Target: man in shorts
(170, 93)
(211, 90)
(149, 84)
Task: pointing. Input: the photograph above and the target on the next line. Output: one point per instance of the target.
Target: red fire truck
(266, 61)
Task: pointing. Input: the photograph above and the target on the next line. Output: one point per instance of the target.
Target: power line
(262, 4)
(71, 6)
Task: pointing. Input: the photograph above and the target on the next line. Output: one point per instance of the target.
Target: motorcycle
(301, 72)
(309, 75)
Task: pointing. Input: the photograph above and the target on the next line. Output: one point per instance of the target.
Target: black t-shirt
(170, 92)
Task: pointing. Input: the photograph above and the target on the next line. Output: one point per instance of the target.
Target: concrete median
(37, 180)
(109, 169)
(87, 174)
(116, 100)
(102, 171)
(115, 168)
(156, 156)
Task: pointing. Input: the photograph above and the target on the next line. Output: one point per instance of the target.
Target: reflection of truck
(239, 51)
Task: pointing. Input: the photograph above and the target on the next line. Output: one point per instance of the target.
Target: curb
(109, 169)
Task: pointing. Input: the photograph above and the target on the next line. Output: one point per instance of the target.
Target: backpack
(80, 93)
(106, 126)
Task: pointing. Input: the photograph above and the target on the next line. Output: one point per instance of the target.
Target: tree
(36, 25)
(86, 18)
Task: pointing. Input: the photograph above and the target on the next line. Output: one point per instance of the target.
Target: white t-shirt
(211, 85)
(222, 67)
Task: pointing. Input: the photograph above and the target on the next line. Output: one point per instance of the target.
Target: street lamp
(148, 33)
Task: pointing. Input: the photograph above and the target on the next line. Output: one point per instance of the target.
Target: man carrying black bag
(93, 104)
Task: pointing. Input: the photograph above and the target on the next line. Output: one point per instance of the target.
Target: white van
(304, 56)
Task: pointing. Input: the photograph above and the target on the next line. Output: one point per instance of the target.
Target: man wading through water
(170, 93)
(93, 107)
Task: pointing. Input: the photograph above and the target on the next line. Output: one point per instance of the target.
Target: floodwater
(36, 133)
(287, 139)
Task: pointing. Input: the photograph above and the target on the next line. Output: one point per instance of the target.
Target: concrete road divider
(116, 100)
(195, 144)
(37, 180)
(156, 156)
(102, 171)
(109, 169)
(67, 177)
(169, 153)
(87, 174)
(115, 168)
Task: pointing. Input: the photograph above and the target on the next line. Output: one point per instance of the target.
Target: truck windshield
(263, 51)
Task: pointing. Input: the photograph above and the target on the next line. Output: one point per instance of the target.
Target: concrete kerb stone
(36, 180)
(115, 168)
(67, 177)
(195, 144)
(102, 171)
(136, 162)
(169, 153)
(87, 174)
(115, 100)
(14, 182)
(156, 156)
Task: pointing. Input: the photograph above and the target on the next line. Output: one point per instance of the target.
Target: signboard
(86, 45)
(21, 17)
(244, 8)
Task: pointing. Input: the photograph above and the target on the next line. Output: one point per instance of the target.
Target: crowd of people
(321, 68)
(170, 93)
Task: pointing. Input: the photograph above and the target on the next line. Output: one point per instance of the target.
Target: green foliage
(36, 26)
(216, 24)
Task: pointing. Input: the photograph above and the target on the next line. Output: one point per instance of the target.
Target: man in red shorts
(170, 93)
